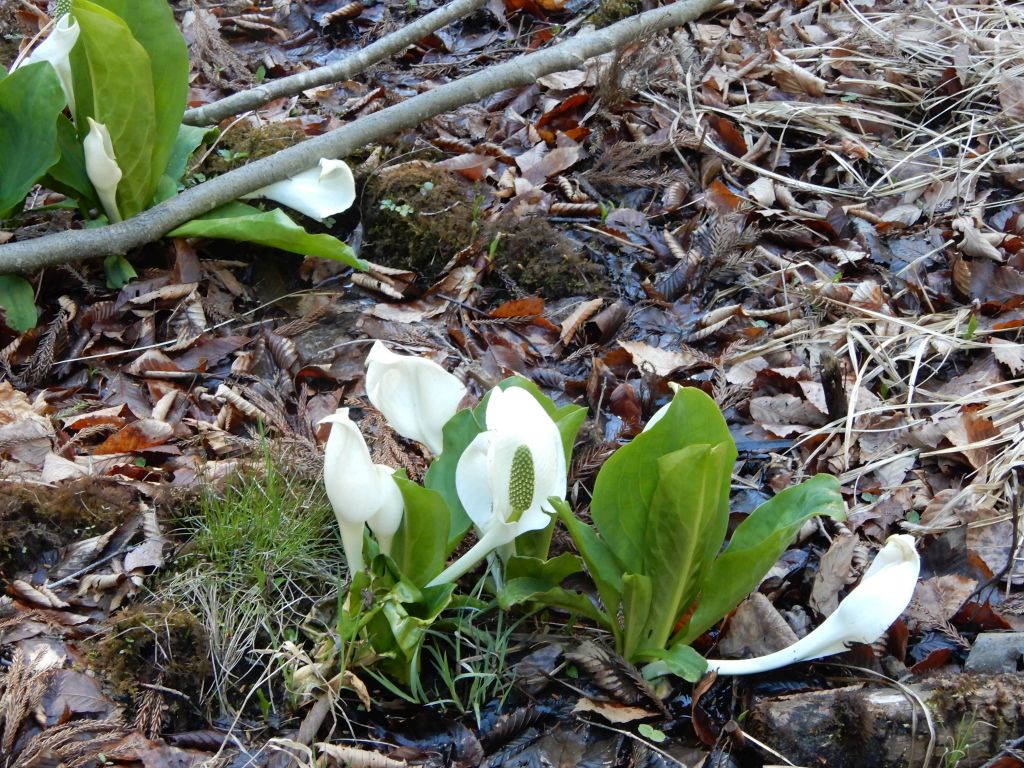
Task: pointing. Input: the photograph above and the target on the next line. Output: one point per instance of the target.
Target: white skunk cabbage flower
(360, 491)
(318, 193)
(505, 476)
(873, 605)
(101, 167)
(56, 49)
(417, 396)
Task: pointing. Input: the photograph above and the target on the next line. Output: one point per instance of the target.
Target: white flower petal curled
(56, 49)
(318, 193)
(359, 490)
(102, 168)
(506, 475)
(863, 616)
(417, 396)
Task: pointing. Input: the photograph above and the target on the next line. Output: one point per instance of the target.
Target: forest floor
(811, 210)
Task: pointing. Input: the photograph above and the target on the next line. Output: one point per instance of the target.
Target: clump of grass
(260, 554)
(264, 530)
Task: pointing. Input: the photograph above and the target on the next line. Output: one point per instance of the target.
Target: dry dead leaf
(1011, 96)
(661, 361)
(834, 574)
(612, 711)
(793, 78)
(1009, 353)
(137, 436)
(755, 628)
(936, 601)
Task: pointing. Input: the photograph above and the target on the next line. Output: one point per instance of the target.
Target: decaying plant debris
(811, 211)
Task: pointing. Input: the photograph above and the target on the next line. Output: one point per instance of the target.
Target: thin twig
(389, 45)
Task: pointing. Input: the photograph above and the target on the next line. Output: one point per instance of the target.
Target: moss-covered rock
(417, 217)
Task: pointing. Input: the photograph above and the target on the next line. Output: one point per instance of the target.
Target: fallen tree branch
(76, 245)
(389, 45)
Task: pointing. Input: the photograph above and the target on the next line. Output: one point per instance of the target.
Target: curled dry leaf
(793, 78)
(973, 243)
(137, 436)
(572, 324)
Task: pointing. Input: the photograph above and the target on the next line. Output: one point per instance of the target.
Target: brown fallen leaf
(612, 711)
(834, 574)
(661, 361)
(137, 436)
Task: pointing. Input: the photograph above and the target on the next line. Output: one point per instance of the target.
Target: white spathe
(417, 396)
(56, 49)
(506, 475)
(866, 613)
(318, 193)
(102, 168)
(360, 491)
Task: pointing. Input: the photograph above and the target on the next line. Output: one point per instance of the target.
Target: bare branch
(76, 245)
(351, 65)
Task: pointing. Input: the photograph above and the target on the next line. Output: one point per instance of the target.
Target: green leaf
(757, 544)
(685, 516)
(185, 143)
(17, 300)
(636, 606)
(152, 24)
(600, 561)
(458, 433)
(273, 228)
(549, 572)
(119, 271)
(626, 484)
(651, 733)
(114, 85)
(679, 660)
(69, 176)
(31, 100)
(421, 542)
(537, 581)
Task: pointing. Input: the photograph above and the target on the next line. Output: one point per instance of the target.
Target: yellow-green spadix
(507, 473)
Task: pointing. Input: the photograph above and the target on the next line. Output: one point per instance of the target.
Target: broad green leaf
(119, 271)
(421, 542)
(679, 660)
(537, 581)
(636, 608)
(549, 572)
(152, 25)
(458, 433)
(17, 300)
(189, 137)
(31, 101)
(527, 590)
(600, 561)
(685, 513)
(626, 483)
(114, 85)
(273, 228)
(757, 544)
(69, 176)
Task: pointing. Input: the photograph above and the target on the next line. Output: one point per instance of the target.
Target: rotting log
(876, 726)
